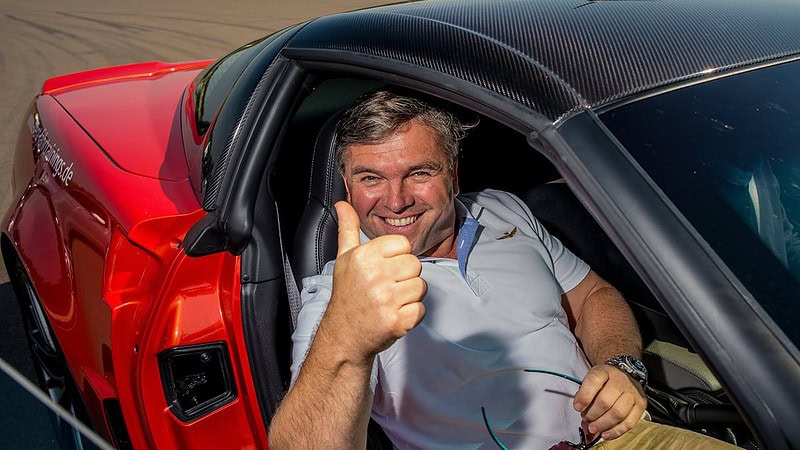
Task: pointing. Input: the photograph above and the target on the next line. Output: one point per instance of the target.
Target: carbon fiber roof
(556, 56)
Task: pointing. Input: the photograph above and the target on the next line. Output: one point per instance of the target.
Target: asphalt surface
(42, 39)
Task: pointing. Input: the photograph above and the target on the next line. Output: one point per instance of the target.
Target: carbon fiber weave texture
(558, 55)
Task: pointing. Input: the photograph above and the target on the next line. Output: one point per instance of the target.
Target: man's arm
(329, 404)
(376, 299)
(609, 400)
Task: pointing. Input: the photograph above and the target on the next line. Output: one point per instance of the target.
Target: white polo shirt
(490, 314)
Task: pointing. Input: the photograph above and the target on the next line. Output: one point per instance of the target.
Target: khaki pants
(649, 435)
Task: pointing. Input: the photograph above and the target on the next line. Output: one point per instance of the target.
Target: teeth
(401, 222)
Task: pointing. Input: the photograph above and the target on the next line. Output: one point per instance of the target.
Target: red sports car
(165, 214)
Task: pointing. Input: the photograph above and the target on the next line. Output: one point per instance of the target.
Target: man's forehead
(405, 143)
(431, 165)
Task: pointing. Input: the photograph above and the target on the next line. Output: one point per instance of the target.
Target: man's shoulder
(493, 200)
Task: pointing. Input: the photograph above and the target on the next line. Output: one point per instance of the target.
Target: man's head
(398, 157)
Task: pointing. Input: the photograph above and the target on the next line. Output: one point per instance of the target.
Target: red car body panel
(117, 73)
(108, 201)
(141, 123)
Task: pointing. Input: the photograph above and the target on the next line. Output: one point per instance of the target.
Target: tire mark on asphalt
(105, 43)
(124, 49)
(147, 29)
(150, 41)
(213, 22)
(48, 39)
(42, 27)
(35, 49)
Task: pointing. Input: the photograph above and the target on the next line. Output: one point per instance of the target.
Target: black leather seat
(315, 239)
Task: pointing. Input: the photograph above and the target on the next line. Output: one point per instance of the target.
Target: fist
(610, 401)
(377, 291)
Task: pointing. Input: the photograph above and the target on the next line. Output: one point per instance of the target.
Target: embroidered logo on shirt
(510, 234)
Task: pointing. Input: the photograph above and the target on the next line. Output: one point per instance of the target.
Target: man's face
(405, 186)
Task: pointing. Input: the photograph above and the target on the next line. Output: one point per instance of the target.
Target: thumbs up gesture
(377, 291)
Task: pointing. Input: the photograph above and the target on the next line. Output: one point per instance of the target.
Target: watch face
(638, 365)
(632, 366)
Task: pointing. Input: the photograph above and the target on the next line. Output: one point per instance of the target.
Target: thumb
(349, 224)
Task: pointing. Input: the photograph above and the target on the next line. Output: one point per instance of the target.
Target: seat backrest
(315, 240)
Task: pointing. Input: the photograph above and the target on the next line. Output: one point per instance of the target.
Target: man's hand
(377, 291)
(610, 401)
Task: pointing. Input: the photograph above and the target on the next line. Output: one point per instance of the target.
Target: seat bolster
(315, 241)
(678, 368)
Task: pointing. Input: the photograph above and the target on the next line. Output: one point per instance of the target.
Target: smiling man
(437, 302)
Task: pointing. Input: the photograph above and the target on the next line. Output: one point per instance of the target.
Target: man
(434, 312)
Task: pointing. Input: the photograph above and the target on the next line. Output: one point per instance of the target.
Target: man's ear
(456, 190)
(346, 188)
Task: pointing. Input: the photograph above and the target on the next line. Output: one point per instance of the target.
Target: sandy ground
(42, 39)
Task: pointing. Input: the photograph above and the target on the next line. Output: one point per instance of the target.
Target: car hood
(132, 112)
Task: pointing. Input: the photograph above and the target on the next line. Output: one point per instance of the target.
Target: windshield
(727, 153)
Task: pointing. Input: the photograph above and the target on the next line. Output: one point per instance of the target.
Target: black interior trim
(232, 229)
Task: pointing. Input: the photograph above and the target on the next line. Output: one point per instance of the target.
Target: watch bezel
(632, 366)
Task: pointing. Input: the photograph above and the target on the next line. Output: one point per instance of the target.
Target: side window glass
(214, 83)
(726, 153)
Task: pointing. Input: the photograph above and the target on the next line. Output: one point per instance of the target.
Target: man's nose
(398, 197)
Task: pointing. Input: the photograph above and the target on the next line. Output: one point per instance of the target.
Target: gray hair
(378, 114)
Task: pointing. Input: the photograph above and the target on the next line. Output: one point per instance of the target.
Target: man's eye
(421, 174)
(369, 179)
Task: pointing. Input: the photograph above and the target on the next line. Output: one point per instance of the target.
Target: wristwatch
(631, 366)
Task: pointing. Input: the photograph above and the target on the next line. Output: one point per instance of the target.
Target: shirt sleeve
(567, 267)
(314, 300)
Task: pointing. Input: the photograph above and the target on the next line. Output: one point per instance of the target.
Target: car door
(193, 350)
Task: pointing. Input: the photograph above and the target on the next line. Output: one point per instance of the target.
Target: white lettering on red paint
(51, 153)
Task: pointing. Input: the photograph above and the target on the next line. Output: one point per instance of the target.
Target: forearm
(606, 327)
(329, 404)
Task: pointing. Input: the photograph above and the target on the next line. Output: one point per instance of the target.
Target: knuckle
(603, 402)
(416, 263)
(422, 312)
(618, 413)
(420, 285)
(594, 377)
(396, 240)
(630, 421)
(404, 242)
(392, 323)
(377, 295)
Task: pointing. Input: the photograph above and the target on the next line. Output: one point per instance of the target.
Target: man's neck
(446, 248)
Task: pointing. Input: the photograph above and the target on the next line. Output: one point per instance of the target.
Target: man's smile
(401, 222)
